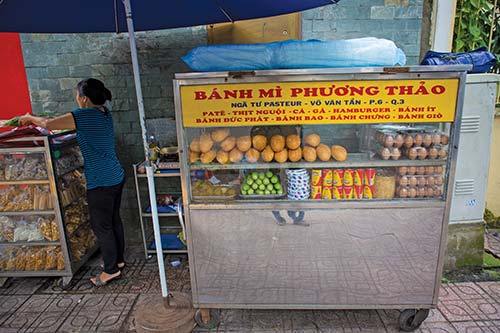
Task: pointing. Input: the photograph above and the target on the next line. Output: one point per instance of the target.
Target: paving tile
(446, 293)
(492, 244)
(470, 327)
(271, 320)
(437, 328)
(20, 321)
(491, 288)
(330, 320)
(467, 291)
(109, 321)
(10, 304)
(48, 322)
(364, 319)
(81, 322)
(23, 286)
(235, 321)
(37, 303)
(456, 311)
(64, 303)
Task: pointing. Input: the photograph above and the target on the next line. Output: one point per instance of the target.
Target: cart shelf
(25, 182)
(28, 212)
(354, 161)
(25, 243)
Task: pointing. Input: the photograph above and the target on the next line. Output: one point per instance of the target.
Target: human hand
(25, 120)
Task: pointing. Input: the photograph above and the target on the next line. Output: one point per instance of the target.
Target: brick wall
(56, 62)
(397, 20)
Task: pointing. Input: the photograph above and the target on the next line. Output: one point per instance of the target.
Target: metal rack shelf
(29, 212)
(25, 182)
(148, 237)
(26, 243)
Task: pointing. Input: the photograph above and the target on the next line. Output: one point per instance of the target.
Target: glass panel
(31, 258)
(22, 166)
(28, 228)
(25, 198)
(319, 162)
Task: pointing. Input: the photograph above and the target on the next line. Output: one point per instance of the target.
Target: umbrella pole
(149, 168)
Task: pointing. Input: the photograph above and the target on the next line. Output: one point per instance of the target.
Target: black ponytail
(94, 90)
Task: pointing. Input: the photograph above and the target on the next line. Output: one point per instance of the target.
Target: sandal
(121, 268)
(100, 283)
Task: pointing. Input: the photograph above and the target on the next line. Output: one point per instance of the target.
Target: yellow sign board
(321, 102)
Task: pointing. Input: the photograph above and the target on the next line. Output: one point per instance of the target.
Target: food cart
(318, 188)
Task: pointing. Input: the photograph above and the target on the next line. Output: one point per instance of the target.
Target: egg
(388, 140)
(403, 170)
(412, 192)
(431, 181)
(436, 139)
(443, 153)
(385, 153)
(413, 181)
(421, 170)
(427, 141)
(437, 192)
(404, 181)
(433, 153)
(421, 181)
(418, 140)
(438, 180)
(429, 170)
(412, 153)
(438, 169)
(429, 192)
(422, 154)
(408, 141)
(403, 192)
(398, 141)
(444, 139)
(412, 170)
(421, 192)
(395, 153)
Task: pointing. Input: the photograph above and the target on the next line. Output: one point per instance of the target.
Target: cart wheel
(411, 319)
(64, 283)
(213, 321)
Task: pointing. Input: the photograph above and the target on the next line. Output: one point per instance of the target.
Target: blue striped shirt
(95, 135)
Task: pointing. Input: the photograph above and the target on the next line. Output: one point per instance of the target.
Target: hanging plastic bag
(480, 59)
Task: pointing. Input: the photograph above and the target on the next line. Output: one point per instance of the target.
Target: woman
(104, 174)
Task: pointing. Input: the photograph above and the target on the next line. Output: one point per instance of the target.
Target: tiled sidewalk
(36, 305)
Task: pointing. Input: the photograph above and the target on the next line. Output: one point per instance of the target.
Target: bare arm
(65, 121)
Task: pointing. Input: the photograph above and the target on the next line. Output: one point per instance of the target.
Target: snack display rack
(168, 171)
(338, 186)
(44, 226)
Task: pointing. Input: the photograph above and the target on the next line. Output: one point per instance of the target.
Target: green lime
(274, 191)
(244, 192)
(254, 175)
(267, 192)
(280, 191)
(274, 179)
(262, 187)
(246, 187)
(262, 175)
(250, 192)
(258, 181)
(270, 187)
(249, 181)
(265, 181)
(278, 187)
(269, 174)
(255, 186)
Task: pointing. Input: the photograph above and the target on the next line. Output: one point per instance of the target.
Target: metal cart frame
(201, 217)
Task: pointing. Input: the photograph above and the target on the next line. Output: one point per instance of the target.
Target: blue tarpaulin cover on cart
(169, 242)
(359, 52)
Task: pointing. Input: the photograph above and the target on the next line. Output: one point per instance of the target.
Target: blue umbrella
(76, 16)
(81, 16)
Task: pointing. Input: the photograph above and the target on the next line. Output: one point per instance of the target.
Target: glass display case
(44, 228)
(320, 188)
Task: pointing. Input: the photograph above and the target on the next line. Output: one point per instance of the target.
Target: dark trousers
(104, 209)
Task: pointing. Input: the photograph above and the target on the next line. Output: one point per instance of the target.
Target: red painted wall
(14, 92)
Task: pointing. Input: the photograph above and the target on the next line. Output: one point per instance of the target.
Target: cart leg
(207, 318)
(65, 282)
(411, 319)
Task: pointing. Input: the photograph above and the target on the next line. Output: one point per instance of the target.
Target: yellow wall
(493, 194)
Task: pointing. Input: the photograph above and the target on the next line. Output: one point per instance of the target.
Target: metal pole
(149, 168)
